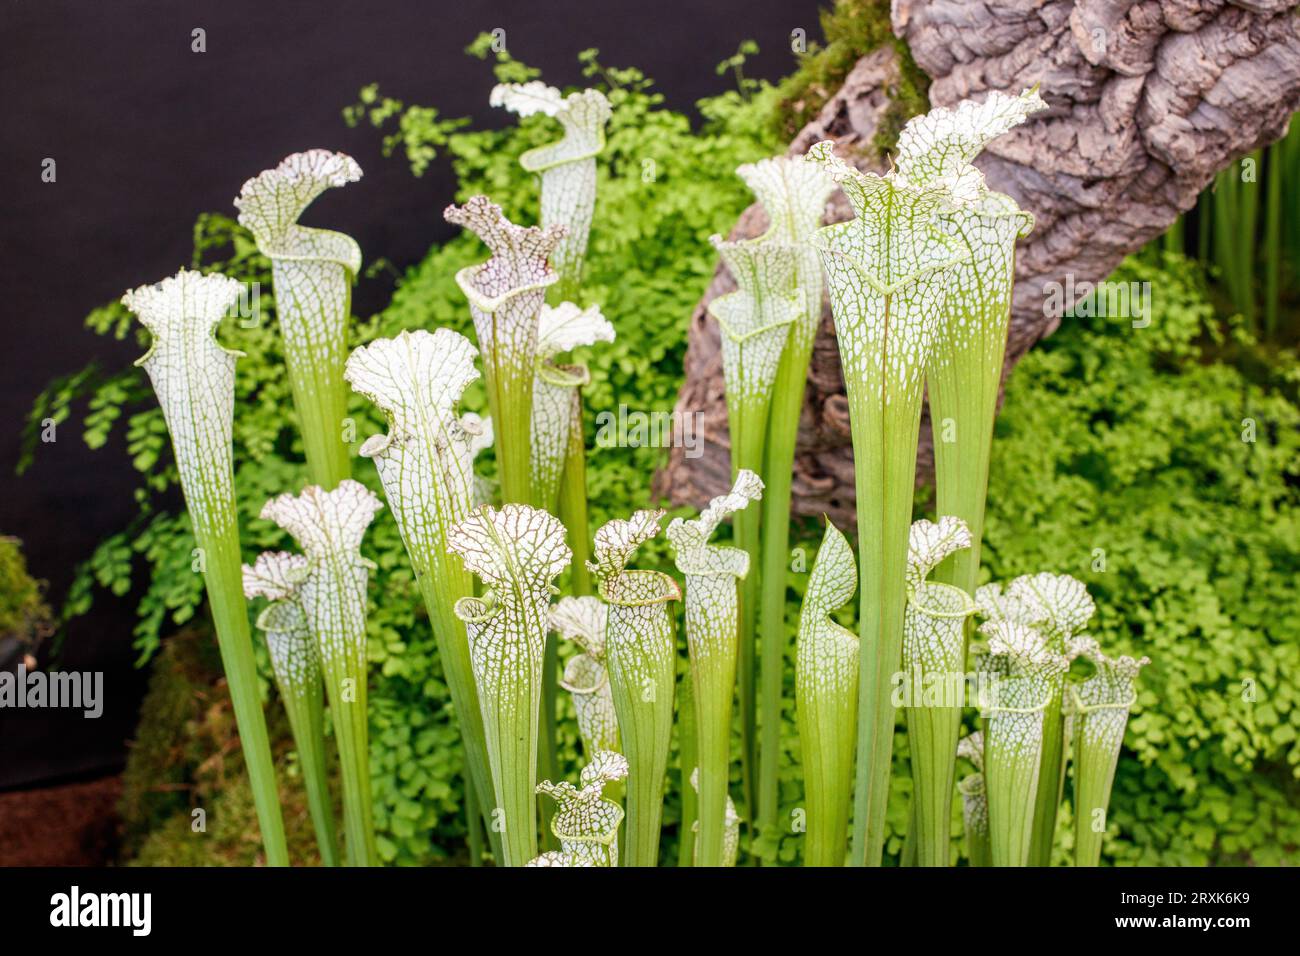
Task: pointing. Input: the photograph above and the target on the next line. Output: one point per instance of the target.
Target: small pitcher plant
(642, 652)
(582, 620)
(517, 551)
(974, 801)
(712, 639)
(329, 527)
(567, 167)
(585, 822)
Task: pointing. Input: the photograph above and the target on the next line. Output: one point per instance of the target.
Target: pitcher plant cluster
(526, 602)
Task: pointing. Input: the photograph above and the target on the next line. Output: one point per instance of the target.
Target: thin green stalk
(473, 822)
(826, 692)
(1273, 241)
(329, 526)
(312, 271)
(641, 648)
(194, 378)
(712, 635)
(425, 464)
(517, 551)
(687, 762)
(974, 802)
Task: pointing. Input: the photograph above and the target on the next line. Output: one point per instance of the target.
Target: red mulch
(72, 825)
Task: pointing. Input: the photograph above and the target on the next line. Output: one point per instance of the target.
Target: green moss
(852, 29)
(23, 611)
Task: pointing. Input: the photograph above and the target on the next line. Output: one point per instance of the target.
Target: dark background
(147, 134)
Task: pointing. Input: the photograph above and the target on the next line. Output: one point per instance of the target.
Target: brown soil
(71, 825)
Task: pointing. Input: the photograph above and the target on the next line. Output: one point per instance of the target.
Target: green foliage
(23, 611)
(1125, 457)
(664, 188)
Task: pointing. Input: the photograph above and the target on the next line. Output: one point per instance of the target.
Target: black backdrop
(146, 134)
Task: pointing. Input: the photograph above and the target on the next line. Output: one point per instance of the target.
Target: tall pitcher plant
(425, 465)
(329, 526)
(312, 271)
(505, 296)
(567, 167)
(755, 323)
(964, 371)
(194, 379)
(888, 269)
(712, 633)
(793, 193)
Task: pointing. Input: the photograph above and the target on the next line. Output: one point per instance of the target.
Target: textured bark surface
(1148, 100)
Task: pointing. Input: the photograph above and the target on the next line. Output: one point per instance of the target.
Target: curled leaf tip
(326, 523)
(415, 376)
(617, 540)
(187, 298)
(519, 253)
(930, 542)
(275, 575)
(516, 544)
(270, 203)
(690, 538)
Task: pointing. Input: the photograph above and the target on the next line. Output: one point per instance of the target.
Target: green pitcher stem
(224, 580)
(307, 722)
(748, 427)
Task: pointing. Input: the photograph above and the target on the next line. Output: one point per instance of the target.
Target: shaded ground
(71, 825)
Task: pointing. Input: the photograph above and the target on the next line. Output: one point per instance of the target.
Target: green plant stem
(510, 401)
(473, 822)
(748, 425)
(548, 760)
(445, 583)
(884, 441)
(1273, 241)
(782, 434)
(224, 580)
(1051, 783)
(688, 760)
(307, 722)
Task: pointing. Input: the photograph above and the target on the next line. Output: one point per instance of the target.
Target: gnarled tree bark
(1148, 100)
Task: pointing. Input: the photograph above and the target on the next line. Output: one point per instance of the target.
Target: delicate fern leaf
(312, 272)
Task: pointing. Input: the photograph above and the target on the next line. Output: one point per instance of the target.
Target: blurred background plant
(1113, 439)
